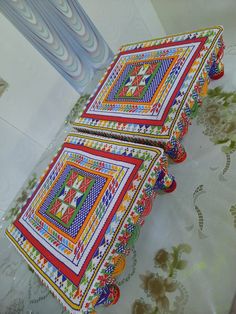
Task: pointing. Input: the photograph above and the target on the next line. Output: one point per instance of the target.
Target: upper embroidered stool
(152, 88)
(84, 216)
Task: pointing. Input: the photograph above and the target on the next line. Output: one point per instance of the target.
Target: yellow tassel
(94, 303)
(191, 103)
(120, 263)
(204, 89)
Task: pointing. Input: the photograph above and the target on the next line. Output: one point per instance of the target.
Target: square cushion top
(83, 213)
(147, 87)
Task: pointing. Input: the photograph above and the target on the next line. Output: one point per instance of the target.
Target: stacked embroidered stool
(85, 214)
(152, 88)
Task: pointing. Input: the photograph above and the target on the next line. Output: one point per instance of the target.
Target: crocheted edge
(133, 236)
(162, 164)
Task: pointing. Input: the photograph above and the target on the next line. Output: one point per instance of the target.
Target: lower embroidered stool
(84, 215)
(153, 88)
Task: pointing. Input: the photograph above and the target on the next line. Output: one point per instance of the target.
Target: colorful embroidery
(81, 220)
(151, 89)
(138, 82)
(86, 212)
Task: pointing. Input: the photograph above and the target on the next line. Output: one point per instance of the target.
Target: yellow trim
(117, 131)
(118, 142)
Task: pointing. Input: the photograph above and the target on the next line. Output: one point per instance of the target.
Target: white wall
(124, 21)
(31, 109)
(38, 98)
(184, 15)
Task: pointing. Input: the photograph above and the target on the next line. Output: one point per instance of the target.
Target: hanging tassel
(120, 264)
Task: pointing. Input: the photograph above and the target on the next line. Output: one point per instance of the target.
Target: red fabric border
(164, 116)
(49, 256)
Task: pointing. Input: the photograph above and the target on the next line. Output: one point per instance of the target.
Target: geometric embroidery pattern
(150, 85)
(72, 226)
(74, 191)
(138, 81)
(70, 198)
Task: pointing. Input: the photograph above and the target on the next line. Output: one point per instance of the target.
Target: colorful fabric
(84, 214)
(151, 88)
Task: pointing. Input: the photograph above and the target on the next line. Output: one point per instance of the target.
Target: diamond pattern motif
(70, 198)
(137, 81)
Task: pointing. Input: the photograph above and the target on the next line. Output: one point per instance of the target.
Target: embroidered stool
(153, 88)
(84, 215)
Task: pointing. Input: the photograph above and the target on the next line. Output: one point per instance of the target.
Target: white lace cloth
(199, 214)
